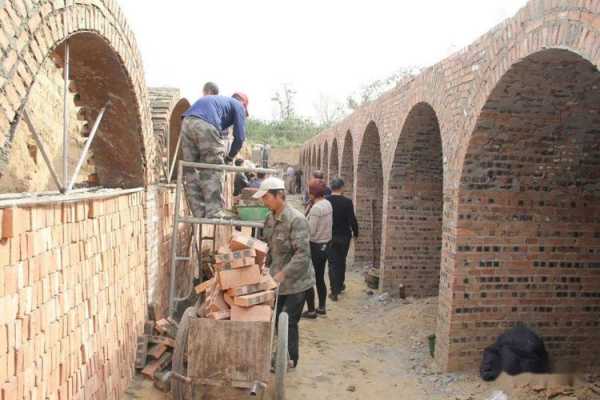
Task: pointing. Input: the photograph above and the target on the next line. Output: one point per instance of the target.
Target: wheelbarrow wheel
(181, 390)
(281, 357)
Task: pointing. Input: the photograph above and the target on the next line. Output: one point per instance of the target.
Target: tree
(329, 111)
(373, 90)
(285, 100)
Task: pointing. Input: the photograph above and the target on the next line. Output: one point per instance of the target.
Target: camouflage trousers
(202, 143)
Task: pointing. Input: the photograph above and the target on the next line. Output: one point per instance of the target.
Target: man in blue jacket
(202, 142)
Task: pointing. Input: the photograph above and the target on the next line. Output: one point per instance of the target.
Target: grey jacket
(289, 250)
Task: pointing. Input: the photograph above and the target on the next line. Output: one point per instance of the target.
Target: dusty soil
(371, 346)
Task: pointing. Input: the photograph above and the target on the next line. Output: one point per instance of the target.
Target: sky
(324, 48)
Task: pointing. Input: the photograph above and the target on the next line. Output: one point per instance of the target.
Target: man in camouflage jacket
(287, 233)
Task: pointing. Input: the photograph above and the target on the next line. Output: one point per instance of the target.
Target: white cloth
(320, 221)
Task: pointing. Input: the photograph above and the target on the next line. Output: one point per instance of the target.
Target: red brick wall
(414, 207)
(72, 297)
(369, 201)
(334, 161)
(519, 199)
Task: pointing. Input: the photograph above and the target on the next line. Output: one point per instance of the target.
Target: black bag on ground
(516, 351)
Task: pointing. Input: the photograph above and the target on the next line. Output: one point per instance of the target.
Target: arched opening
(369, 200)
(414, 211)
(347, 166)
(334, 163)
(97, 76)
(325, 164)
(528, 228)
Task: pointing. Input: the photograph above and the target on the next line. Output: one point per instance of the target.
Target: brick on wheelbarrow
(258, 313)
(223, 258)
(216, 302)
(228, 299)
(204, 286)
(255, 299)
(266, 283)
(239, 277)
(220, 315)
(241, 242)
(237, 263)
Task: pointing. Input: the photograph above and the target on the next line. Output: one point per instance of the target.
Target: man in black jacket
(344, 227)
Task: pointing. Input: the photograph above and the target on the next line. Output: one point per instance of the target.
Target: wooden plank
(255, 299)
(238, 353)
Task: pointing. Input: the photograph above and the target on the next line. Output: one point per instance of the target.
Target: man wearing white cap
(287, 233)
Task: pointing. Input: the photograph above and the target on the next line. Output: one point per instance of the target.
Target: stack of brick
(242, 289)
(72, 298)
(155, 351)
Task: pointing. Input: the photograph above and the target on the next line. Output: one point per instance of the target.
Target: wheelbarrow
(229, 360)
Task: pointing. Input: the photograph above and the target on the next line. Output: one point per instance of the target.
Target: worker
(290, 179)
(287, 233)
(298, 181)
(241, 180)
(210, 89)
(344, 227)
(256, 180)
(202, 142)
(320, 219)
(317, 174)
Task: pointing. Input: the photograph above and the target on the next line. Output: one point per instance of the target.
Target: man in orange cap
(204, 125)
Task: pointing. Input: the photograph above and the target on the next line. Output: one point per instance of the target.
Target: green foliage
(281, 133)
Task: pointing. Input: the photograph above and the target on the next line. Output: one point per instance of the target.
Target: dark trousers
(318, 254)
(338, 252)
(292, 304)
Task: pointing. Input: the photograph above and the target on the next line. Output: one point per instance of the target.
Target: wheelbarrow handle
(182, 378)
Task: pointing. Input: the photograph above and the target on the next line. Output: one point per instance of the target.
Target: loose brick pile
(242, 289)
(72, 298)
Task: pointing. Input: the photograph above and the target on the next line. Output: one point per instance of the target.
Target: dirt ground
(374, 347)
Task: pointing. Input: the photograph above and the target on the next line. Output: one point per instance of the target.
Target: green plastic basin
(253, 213)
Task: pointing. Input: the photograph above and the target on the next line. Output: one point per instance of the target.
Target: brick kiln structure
(479, 180)
(77, 272)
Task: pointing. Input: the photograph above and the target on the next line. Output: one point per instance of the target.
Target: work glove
(228, 160)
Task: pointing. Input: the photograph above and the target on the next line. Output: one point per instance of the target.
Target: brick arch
(325, 163)
(413, 222)
(347, 164)
(105, 65)
(369, 199)
(167, 107)
(527, 244)
(334, 161)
